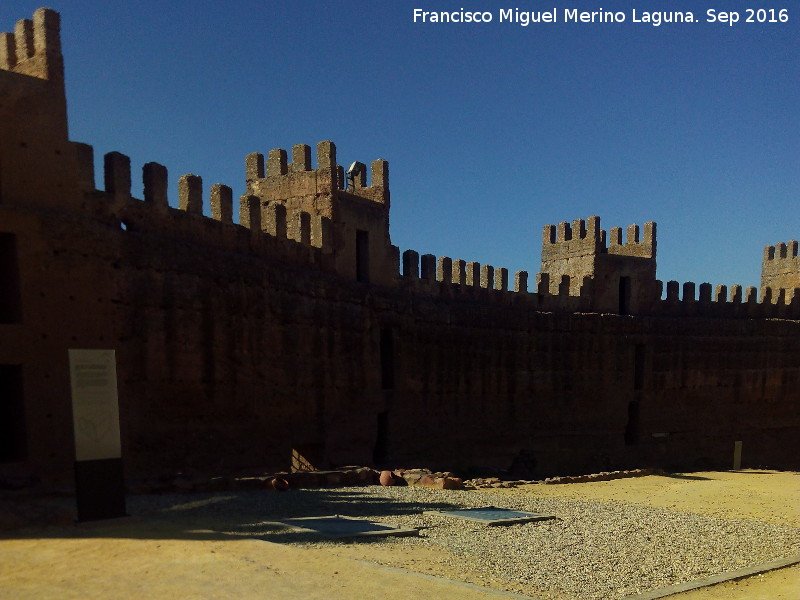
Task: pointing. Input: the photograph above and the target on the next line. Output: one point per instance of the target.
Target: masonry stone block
(190, 194)
(459, 272)
(254, 166)
(428, 267)
(501, 279)
(444, 269)
(221, 203)
(301, 158)
(277, 162)
(117, 174)
(411, 264)
(154, 177)
(473, 277)
(521, 282)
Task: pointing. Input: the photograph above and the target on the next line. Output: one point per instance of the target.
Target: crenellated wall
(34, 48)
(356, 213)
(305, 238)
(37, 161)
(621, 274)
(780, 268)
(720, 302)
(286, 321)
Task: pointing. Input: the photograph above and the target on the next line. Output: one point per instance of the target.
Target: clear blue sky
(492, 130)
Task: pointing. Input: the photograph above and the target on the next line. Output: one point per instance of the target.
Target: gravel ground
(592, 550)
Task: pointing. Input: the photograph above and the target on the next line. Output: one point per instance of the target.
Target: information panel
(95, 410)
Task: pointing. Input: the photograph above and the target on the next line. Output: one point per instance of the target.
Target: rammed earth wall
(301, 329)
(230, 358)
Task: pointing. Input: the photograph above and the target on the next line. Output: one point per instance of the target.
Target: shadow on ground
(235, 515)
(687, 476)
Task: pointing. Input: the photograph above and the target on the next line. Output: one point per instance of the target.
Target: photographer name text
(574, 15)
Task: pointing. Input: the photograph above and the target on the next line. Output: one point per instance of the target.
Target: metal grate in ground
(491, 515)
(341, 527)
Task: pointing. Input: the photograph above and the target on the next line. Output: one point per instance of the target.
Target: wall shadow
(687, 476)
(235, 515)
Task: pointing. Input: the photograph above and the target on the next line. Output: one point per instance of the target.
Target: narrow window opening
(380, 452)
(362, 256)
(632, 426)
(12, 415)
(387, 359)
(10, 308)
(624, 295)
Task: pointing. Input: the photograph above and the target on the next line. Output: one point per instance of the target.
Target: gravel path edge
(679, 588)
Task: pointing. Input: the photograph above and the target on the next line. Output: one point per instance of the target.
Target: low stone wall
(495, 482)
(356, 476)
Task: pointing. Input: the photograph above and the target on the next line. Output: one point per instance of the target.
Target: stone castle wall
(301, 328)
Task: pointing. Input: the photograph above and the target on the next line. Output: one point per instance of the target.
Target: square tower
(621, 276)
(356, 213)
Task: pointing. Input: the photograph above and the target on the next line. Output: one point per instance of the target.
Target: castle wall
(232, 351)
(497, 386)
(224, 359)
(297, 328)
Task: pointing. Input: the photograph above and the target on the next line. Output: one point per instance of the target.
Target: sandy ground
(769, 496)
(140, 558)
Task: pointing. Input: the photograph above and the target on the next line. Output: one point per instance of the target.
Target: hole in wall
(13, 442)
(10, 303)
(624, 295)
(632, 426)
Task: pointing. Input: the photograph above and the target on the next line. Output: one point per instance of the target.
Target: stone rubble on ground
(348, 476)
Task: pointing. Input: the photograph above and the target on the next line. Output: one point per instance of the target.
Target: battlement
(475, 282)
(272, 231)
(781, 251)
(622, 283)
(358, 211)
(304, 198)
(620, 273)
(583, 238)
(705, 300)
(780, 267)
(34, 48)
(298, 182)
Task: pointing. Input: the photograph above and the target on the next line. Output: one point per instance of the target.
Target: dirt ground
(139, 558)
(769, 496)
